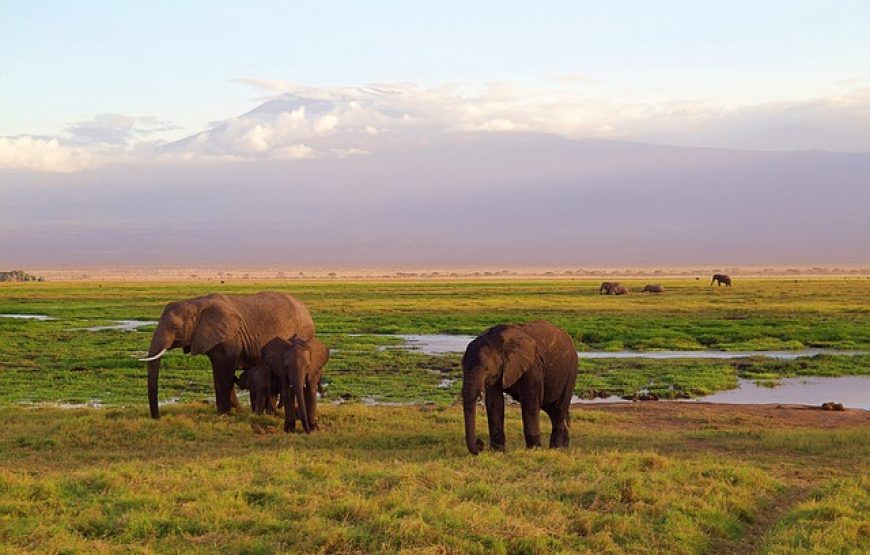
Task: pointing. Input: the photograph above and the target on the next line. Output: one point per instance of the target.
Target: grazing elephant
(264, 388)
(536, 364)
(653, 288)
(618, 290)
(607, 287)
(303, 369)
(294, 368)
(721, 278)
(230, 330)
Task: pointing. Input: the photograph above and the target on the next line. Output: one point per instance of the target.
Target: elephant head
(497, 358)
(298, 363)
(197, 326)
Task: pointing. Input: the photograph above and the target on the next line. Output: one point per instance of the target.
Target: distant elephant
(721, 278)
(536, 364)
(618, 290)
(653, 288)
(230, 330)
(607, 287)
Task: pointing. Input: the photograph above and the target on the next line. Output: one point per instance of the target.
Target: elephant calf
(263, 386)
(296, 366)
(536, 364)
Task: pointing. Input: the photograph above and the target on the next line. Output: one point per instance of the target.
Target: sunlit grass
(378, 480)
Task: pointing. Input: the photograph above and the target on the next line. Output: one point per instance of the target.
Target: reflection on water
(437, 344)
(40, 317)
(122, 325)
(852, 391)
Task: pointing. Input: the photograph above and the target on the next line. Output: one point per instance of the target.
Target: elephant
(294, 367)
(618, 290)
(720, 279)
(536, 364)
(303, 368)
(607, 287)
(230, 330)
(653, 288)
(264, 388)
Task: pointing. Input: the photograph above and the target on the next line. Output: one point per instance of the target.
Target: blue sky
(65, 62)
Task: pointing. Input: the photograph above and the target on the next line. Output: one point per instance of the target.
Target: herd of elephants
(270, 337)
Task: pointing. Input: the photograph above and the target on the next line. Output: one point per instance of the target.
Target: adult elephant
(607, 287)
(652, 288)
(721, 279)
(536, 364)
(230, 330)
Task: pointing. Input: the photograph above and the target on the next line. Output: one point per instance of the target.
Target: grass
(104, 480)
(54, 362)
(647, 478)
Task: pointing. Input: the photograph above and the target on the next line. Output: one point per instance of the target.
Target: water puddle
(121, 325)
(852, 391)
(40, 317)
(438, 344)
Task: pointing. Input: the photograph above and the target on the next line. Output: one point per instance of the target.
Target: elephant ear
(520, 355)
(216, 324)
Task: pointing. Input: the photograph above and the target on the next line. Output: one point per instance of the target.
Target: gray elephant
(653, 288)
(607, 287)
(230, 330)
(536, 364)
(263, 388)
(296, 367)
(721, 279)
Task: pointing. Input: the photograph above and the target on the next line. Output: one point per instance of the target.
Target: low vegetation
(654, 477)
(665, 478)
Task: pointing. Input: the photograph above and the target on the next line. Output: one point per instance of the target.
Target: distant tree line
(18, 275)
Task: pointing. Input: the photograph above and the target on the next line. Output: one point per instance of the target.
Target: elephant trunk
(160, 343)
(470, 390)
(297, 380)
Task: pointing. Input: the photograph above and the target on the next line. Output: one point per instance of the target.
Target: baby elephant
(297, 364)
(653, 288)
(263, 386)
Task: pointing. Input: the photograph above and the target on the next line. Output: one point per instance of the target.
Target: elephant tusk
(155, 357)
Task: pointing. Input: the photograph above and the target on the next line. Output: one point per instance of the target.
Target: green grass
(53, 362)
(379, 479)
(833, 520)
(643, 478)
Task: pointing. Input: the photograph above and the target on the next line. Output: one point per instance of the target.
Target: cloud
(43, 154)
(116, 129)
(298, 122)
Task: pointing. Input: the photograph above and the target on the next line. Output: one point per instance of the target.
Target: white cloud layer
(298, 122)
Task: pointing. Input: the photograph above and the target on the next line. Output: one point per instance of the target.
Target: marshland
(83, 468)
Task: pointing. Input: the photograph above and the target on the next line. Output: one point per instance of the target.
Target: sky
(185, 91)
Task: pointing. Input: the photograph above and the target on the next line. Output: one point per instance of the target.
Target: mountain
(465, 198)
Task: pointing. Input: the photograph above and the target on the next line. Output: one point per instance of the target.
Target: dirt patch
(663, 415)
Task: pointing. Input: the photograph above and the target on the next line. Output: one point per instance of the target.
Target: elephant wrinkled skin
(536, 364)
(230, 330)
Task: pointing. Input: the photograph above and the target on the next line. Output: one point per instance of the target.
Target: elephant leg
(234, 400)
(559, 436)
(223, 371)
(531, 420)
(311, 404)
(494, 398)
(289, 406)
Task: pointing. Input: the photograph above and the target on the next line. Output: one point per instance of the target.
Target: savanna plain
(83, 468)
